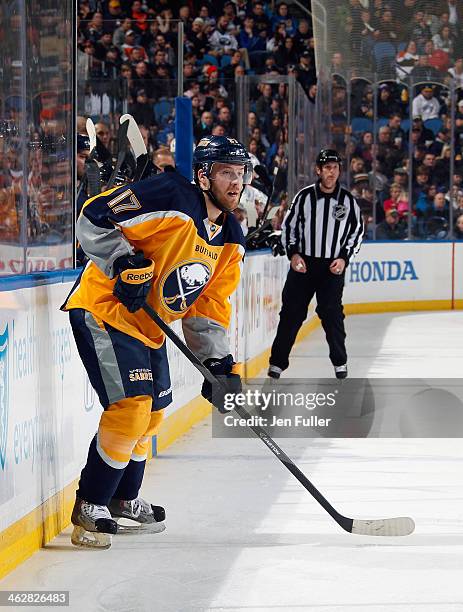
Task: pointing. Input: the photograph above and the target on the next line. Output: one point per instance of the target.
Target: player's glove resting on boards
(135, 275)
(226, 370)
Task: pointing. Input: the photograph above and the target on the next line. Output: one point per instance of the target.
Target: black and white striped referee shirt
(323, 225)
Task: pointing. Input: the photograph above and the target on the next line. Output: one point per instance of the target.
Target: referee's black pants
(298, 291)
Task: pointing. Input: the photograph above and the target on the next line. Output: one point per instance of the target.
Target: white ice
(244, 536)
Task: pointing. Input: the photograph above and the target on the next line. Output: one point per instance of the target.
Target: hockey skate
(137, 516)
(93, 525)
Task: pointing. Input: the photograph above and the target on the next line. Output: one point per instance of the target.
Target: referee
(322, 230)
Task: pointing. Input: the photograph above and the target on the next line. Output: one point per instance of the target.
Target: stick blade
(91, 134)
(400, 526)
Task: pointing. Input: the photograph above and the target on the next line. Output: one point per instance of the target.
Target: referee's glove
(226, 371)
(135, 275)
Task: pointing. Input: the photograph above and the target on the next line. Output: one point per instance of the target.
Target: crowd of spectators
(407, 176)
(129, 52)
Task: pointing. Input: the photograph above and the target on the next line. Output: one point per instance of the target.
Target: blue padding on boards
(184, 136)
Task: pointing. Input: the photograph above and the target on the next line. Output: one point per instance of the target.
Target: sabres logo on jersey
(182, 284)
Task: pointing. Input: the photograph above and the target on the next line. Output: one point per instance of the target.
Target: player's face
(80, 159)
(328, 174)
(227, 184)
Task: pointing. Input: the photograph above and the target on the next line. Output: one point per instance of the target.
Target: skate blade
(133, 527)
(90, 539)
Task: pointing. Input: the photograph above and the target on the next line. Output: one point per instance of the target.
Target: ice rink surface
(244, 536)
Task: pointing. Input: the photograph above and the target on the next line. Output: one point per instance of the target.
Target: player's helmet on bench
(223, 150)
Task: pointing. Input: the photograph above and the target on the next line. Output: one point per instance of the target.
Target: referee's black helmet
(327, 156)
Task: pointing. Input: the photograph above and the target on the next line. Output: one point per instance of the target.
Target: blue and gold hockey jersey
(197, 262)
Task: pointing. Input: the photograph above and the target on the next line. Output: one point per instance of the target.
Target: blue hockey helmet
(223, 150)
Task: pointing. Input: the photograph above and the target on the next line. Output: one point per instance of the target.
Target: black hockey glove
(225, 370)
(135, 275)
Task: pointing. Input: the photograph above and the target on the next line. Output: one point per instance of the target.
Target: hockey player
(174, 245)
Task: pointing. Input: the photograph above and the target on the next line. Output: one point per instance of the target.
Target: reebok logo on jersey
(136, 277)
(144, 276)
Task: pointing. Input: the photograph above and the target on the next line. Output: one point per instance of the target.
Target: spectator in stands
(441, 169)
(456, 72)
(248, 38)
(420, 183)
(196, 40)
(128, 46)
(442, 139)
(278, 38)
(419, 31)
(387, 29)
(264, 102)
(364, 149)
(95, 28)
(395, 202)
(229, 70)
(391, 228)
(143, 80)
(261, 21)
(221, 42)
(425, 104)
(306, 74)
(437, 58)
(121, 31)
(377, 178)
(138, 54)
(337, 63)
(423, 71)
(440, 207)
(406, 60)
(224, 117)
(369, 33)
(139, 16)
(282, 16)
(444, 40)
(429, 161)
(142, 110)
(312, 93)
(386, 102)
(357, 165)
(204, 128)
(302, 37)
(388, 154)
(286, 54)
(458, 231)
(426, 136)
(397, 133)
(163, 44)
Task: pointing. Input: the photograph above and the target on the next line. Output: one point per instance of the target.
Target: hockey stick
(138, 146)
(92, 170)
(399, 526)
(122, 152)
